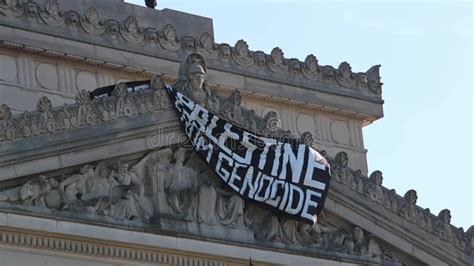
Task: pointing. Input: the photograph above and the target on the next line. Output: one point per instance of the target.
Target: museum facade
(107, 177)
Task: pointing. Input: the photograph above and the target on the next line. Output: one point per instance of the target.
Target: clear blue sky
(425, 140)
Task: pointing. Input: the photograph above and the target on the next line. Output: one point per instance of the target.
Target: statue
(182, 180)
(341, 172)
(373, 189)
(203, 206)
(231, 208)
(127, 198)
(99, 189)
(210, 202)
(265, 224)
(128, 178)
(74, 187)
(191, 81)
(33, 192)
(424, 219)
(442, 226)
(158, 165)
(408, 206)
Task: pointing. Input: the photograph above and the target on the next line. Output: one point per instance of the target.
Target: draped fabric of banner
(289, 178)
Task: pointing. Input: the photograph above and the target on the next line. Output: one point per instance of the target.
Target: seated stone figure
(73, 187)
(33, 192)
(181, 181)
(127, 198)
(265, 224)
(98, 190)
(209, 201)
(230, 208)
(155, 169)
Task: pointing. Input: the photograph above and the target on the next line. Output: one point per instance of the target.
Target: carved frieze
(344, 76)
(241, 53)
(206, 46)
(130, 30)
(372, 189)
(175, 183)
(122, 104)
(168, 38)
(51, 14)
(277, 62)
(311, 69)
(85, 112)
(92, 22)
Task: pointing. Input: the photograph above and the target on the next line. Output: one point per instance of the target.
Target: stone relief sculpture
(121, 194)
(34, 192)
(51, 14)
(114, 189)
(311, 68)
(73, 187)
(92, 21)
(206, 46)
(441, 227)
(344, 75)
(408, 206)
(130, 30)
(181, 182)
(425, 219)
(241, 54)
(276, 61)
(177, 186)
(168, 38)
(155, 169)
(86, 112)
(373, 189)
(227, 210)
(99, 190)
(391, 200)
(340, 171)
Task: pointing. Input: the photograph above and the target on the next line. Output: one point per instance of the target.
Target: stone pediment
(163, 194)
(117, 160)
(66, 163)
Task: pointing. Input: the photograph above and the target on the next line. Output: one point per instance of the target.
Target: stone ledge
(92, 32)
(68, 237)
(389, 226)
(325, 99)
(74, 147)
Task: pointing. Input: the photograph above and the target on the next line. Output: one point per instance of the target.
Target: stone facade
(104, 181)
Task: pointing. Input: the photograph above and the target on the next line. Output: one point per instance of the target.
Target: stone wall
(24, 78)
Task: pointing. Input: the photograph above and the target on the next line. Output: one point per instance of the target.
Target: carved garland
(85, 112)
(129, 30)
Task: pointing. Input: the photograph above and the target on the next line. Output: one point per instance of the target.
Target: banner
(285, 177)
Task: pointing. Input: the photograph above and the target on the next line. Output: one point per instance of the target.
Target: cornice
(379, 199)
(98, 250)
(48, 18)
